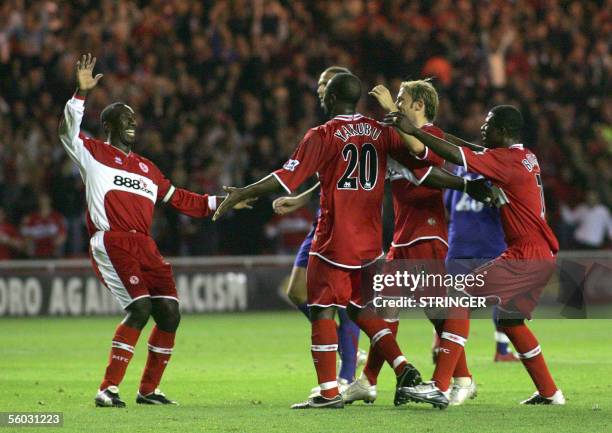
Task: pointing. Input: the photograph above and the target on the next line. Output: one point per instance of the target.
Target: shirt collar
(349, 117)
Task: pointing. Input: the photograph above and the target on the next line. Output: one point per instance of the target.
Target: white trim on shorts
(108, 272)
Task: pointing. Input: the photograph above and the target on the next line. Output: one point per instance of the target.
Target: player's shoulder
(145, 164)
(432, 129)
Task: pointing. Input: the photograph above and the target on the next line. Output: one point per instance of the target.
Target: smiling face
(121, 124)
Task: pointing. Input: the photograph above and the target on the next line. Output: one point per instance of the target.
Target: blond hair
(426, 92)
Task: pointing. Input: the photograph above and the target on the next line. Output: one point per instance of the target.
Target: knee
(166, 314)
(138, 313)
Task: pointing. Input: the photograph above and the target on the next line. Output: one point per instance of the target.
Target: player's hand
(85, 79)
(400, 121)
(285, 205)
(383, 96)
(246, 204)
(480, 190)
(233, 198)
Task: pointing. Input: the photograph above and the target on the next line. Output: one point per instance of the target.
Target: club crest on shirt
(143, 167)
(431, 221)
(134, 280)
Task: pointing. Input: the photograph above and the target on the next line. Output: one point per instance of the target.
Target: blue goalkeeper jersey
(474, 230)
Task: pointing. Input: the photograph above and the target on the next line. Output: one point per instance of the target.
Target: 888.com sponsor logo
(137, 184)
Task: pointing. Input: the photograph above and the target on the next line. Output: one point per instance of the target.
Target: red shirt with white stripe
(122, 189)
(350, 155)
(517, 172)
(418, 209)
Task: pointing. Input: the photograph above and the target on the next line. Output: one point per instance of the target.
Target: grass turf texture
(241, 372)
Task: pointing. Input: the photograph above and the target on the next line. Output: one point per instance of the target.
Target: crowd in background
(224, 90)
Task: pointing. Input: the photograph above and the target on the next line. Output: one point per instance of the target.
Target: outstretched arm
(477, 189)
(267, 185)
(288, 204)
(460, 142)
(446, 150)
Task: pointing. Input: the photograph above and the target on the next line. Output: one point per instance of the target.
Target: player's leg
(375, 358)
(166, 314)
(530, 353)
(455, 330)
(325, 284)
(348, 340)
(502, 352)
(296, 289)
(117, 268)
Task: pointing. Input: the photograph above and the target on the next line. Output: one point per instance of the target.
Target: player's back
(349, 232)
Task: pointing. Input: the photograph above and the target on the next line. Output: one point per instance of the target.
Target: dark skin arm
(460, 142)
(446, 150)
(477, 189)
(265, 186)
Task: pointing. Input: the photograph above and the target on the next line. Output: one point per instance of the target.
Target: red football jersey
(122, 189)
(419, 210)
(43, 231)
(350, 155)
(517, 172)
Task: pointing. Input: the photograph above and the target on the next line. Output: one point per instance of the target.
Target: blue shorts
(301, 260)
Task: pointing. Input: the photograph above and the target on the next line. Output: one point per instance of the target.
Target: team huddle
(352, 155)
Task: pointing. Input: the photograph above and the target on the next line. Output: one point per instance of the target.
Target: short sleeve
(494, 164)
(307, 159)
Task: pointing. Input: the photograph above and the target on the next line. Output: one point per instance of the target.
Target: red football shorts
(426, 255)
(330, 285)
(515, 280)
(131, 267)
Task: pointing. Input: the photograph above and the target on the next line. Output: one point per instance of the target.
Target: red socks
(528, 348)
(382, 337)
(461, 369)
(452, 343)
(121, 353)
(160, 350)
(324, 347)
(375, 358)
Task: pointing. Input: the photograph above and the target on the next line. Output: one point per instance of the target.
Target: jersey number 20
(362, 168)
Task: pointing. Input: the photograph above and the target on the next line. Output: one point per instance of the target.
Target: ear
(420, 104)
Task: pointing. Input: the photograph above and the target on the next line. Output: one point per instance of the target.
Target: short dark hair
(509, 118)
(337, 70)
(110, 112)
(346, 87)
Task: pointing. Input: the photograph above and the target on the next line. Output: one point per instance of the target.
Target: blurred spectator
(592, 220)
(44, 230)
(11, 242)
(225, 89)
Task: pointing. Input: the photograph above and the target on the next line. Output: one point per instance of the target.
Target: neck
(116, 142)
(420, 121)
(343, 109)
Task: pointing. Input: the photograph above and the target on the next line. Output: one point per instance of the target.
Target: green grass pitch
(241, 372)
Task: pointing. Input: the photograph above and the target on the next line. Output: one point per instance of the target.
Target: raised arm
(460, 142)
(70, 123)
(446, 150)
